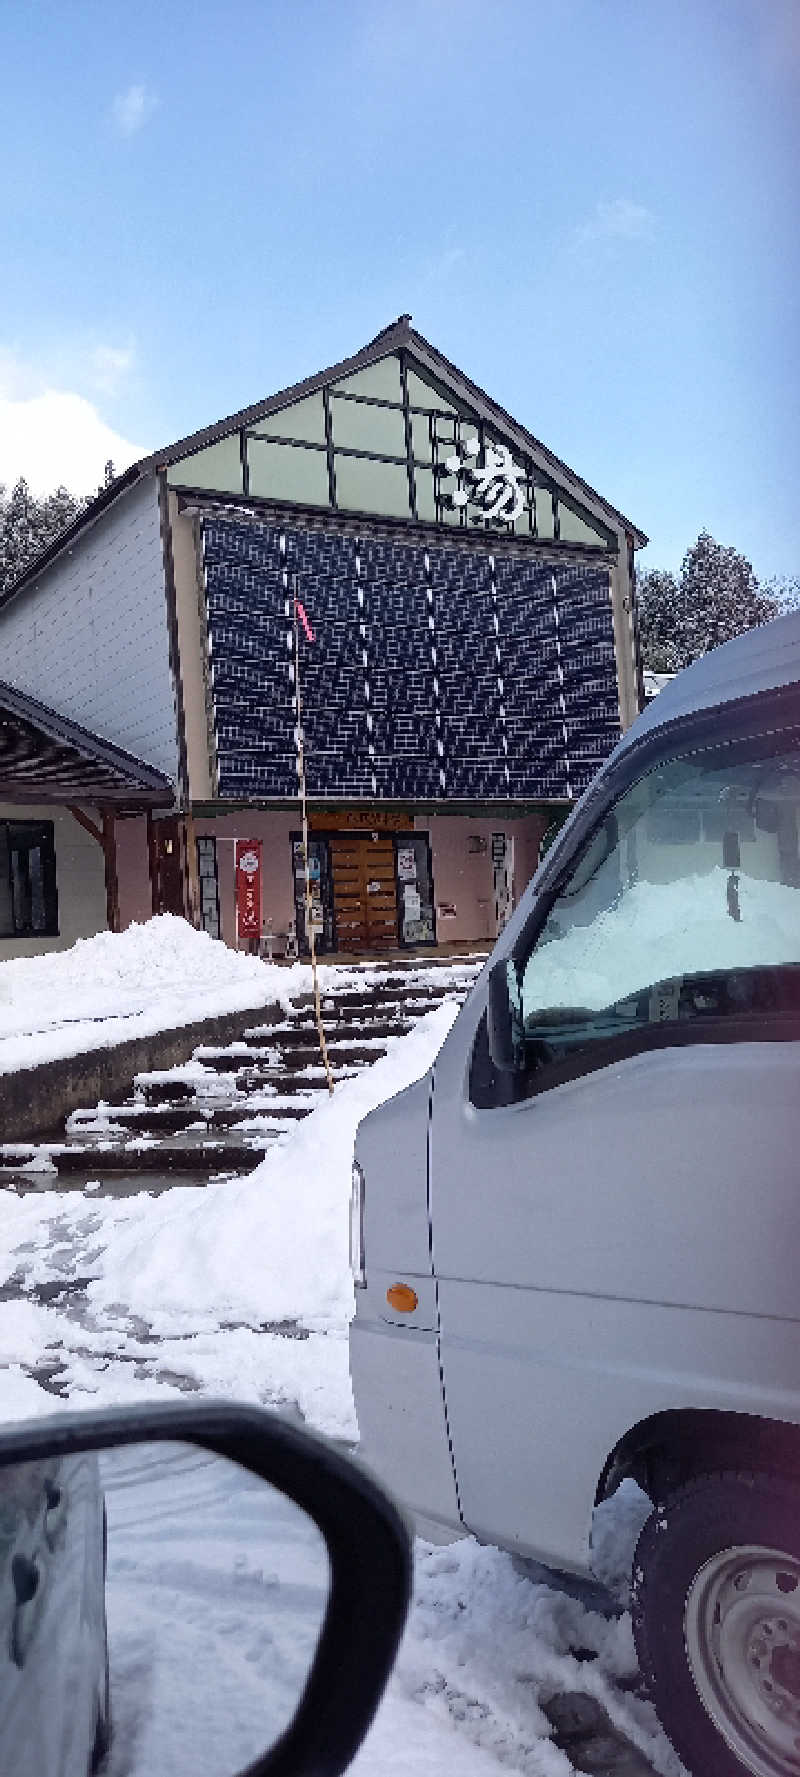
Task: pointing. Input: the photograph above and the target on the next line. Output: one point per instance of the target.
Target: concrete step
(230, 1117)
(253, 1091)
(164, 1091)
(292, 1082)
(230, 1061)
(162, 1157)
(379, 1001)
(342, 1054)
(394, 1013)
(153, 1119)
(299, 1036)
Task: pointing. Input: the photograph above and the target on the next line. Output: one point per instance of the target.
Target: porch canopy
(45, 757)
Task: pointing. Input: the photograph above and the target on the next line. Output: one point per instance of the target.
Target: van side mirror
(504, 1019)
(240, 1588)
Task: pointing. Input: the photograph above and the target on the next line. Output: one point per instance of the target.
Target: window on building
(28, 893)
(209, 885)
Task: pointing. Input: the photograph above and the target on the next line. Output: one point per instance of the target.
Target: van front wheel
(716, 1617)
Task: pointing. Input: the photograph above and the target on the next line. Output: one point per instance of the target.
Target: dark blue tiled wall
(418, 706)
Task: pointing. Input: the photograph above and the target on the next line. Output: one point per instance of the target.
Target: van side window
(683, 910)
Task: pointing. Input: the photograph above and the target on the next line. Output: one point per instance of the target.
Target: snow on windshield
(657, 931)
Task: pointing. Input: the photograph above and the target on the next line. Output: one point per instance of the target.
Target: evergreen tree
(27, 525)
(715, 596)
(657, 599)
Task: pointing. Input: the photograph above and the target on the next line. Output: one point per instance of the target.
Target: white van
(592, 1206)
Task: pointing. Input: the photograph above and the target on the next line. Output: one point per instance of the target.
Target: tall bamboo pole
(301, 772)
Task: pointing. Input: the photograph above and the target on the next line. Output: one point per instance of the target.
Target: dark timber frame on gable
(399, 337)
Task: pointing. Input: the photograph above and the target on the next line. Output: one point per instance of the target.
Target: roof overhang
(44, 757)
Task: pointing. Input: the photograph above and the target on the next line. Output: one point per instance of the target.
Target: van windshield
(685, 904)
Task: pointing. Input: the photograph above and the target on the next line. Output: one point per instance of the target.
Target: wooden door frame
(398, 837)
(363, 837)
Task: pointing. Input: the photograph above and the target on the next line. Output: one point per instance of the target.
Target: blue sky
(590, 205)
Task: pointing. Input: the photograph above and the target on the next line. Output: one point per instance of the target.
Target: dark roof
(399, 335)
(45, 757)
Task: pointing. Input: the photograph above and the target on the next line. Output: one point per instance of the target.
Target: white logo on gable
(497, 485)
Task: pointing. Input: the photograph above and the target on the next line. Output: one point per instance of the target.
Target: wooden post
(110, 855)
(301, 771)
(152, 860)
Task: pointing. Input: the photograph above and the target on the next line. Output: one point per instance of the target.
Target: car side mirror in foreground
(193, 1588)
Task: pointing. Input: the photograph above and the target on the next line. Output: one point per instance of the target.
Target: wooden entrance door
(364, 894)
(167, 866)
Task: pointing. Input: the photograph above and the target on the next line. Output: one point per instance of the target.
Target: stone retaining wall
(35, 1100)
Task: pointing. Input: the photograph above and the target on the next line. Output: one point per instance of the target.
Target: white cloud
(54, 436)
(619, 220)
(110, 366)
(133, 108)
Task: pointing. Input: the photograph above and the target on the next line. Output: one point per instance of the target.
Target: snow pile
(657, 931)
(273, 1246)
(212, 1270)
(485, 1652)
(123, 984)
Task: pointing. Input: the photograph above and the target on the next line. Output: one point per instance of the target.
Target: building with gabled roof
(75, 822)
(474, 652)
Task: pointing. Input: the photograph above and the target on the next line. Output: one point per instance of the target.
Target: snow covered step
(281, 1112)
(158, 1119)
(294, 1036)
(341, 1053)
(230, 1061)
(310, 1080)
(370, 1029)
(207, 1156)
(379, 1000)
(163, 1091)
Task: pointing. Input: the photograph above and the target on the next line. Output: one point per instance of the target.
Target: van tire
(716, 1620)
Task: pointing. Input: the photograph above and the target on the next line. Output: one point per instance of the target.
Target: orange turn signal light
(402, 1297)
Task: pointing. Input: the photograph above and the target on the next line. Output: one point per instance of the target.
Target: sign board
(370, 820)
(406, 863)
(248, 888)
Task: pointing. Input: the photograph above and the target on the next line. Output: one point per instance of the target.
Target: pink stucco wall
(460, 877)
(273, 829)
(133, 871)
(463, 879)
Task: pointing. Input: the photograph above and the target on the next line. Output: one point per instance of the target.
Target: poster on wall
(406, 863)
(248, 888)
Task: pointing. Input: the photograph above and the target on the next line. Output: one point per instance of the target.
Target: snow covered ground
(106, 989)
(242, 1289)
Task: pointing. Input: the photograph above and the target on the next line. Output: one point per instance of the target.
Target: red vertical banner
(248, 888)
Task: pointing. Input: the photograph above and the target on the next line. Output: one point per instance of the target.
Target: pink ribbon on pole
(307, 630)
